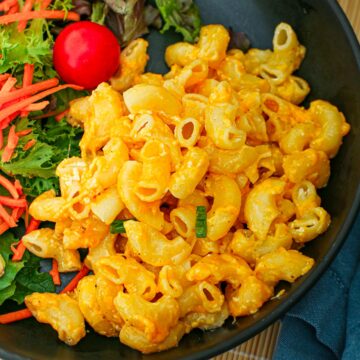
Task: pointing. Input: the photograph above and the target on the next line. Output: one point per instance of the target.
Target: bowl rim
(320, 268)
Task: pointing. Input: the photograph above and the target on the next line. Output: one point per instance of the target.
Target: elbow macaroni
(222, 130)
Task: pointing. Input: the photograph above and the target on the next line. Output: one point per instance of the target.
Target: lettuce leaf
(30, 279)
(99, 11)
(23, 277)
(182, 15)
(129, 19)
(11, 268)
(34, 46)
(55, 141)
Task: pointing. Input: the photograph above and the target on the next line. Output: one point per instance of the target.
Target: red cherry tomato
(86, 54)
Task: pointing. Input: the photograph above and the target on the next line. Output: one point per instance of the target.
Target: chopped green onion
(200, 226)
(117, 226)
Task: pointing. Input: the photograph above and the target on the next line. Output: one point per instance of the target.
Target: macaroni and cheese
(222, 130)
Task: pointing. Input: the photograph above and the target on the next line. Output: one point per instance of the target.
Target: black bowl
(332, 67)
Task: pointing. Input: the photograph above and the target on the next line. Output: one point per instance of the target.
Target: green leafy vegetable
(30, 280)
(117, 226)
(23, 277)
(32, 46)
(11, 268)
(200, 225)
(182, 15)
(129, 19)
(7, 293)
(99, 11)
(55, 141)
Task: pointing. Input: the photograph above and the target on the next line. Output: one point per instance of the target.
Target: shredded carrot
(15, 316)
(45, 4)
(29, 144)
(48, 114)
(26, 8)
(39, 14)
(4, 227)
(27, 81)
(4, 113)
(28, 74)
(60, 116)
(6, 217)
(26, 313)
(4, 77)
(9, 186)
(14, 9)
(34, 224)
(5, 123)
(23, 133)
(7, 4)
(54, 272)
(9, 84)
(1, 139)
(17, 212)
(18, 255)
(18, 187)
(37, 106)
(9, 149)
(28, 90)
(73, 283)
(7, 201)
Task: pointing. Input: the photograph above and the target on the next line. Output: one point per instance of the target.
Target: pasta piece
(106, 292)
(152, 247)
(206, 321)
(333, 127)
(70, 172)
(261, 208)
(194, 106)
(47, 207)
(187, 132)
(249, 297)
(108, 205)
(213, 43)
(105, 248)
(226, 205)
(282, 264)
(90, 308)
(194, 166)
(201, 297)
(149, 213)
(85, 233)
(151, 127)
(128, 272)
(133, 60)
(46, 244)
(313, 223)
(61, 312)
(181, 54)
(153, 98)
(136, 339)
(107, 107)
(309, 165)
(216, 268)
(184, 219)
(155, 177)
(153, 319)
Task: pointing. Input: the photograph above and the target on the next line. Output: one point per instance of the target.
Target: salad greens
(182, 15)
(23, 277)
(35, 168)
(130, 19)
